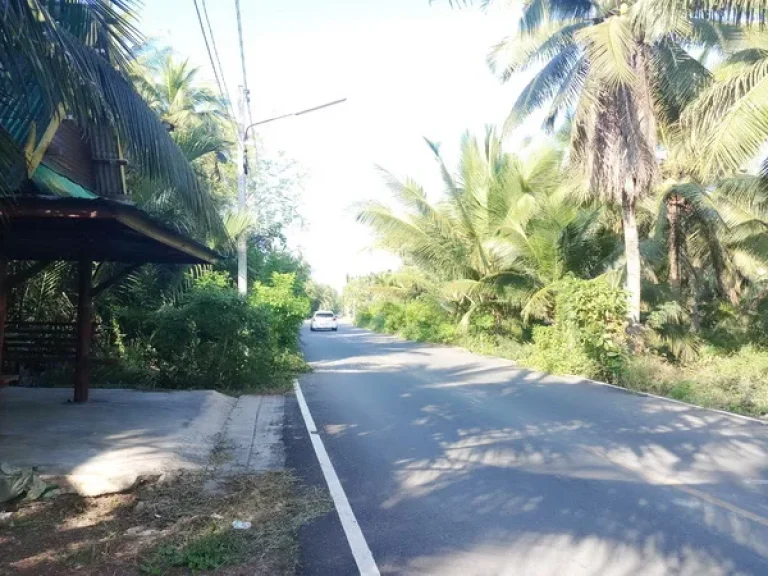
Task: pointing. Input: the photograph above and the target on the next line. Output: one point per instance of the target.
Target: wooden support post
(83, 343)
(4, 289)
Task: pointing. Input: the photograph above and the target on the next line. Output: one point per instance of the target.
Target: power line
(208, 49)
(216, 53)
(246, 92)
(242, 169)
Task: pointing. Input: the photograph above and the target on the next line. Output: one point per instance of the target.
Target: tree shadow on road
(461, 464)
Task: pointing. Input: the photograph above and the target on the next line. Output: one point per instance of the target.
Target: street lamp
(242, 252)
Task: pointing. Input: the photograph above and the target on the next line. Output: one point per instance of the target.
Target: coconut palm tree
(620, 72)
(200, 126)
(73, 58)
(502, 237)
(720, 244)
(173, 89)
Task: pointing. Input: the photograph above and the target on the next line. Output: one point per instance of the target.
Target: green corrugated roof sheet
(50, 181)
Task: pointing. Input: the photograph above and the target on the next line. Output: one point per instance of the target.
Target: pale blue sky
(409, 70)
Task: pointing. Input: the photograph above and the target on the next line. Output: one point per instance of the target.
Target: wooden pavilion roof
(45, 228)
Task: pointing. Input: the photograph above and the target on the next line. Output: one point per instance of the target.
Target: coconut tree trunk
(673, 241)
(695, 299)
(632, 253)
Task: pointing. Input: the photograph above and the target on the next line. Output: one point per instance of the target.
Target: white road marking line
(358, 545)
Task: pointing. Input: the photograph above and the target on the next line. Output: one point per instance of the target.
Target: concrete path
(120, 435)
(252, 436)
(459, 464)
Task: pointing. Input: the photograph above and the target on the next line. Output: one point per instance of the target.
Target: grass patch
(736, 382)
(174, 527)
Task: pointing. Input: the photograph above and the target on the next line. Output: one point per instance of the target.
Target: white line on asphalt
(357, 543)
(583, 380)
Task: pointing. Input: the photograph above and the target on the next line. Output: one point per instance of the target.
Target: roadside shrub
(364, 317)
(482, 323)
(425, 321)
(286, 309)
(670, 333)
(560, 351)
(737, 382)
(391, 317)
(649, 373)
(588, 336)
(505, 325)
(386, 317)
(495, 345)
(421, 319)
(213, 338)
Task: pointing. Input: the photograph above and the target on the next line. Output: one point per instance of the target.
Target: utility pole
(244, 103)
(242, 245)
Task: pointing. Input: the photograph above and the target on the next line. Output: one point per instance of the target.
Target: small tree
(288, 310)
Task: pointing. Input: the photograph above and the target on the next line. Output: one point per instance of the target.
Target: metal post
(83, 337)
(242, 250)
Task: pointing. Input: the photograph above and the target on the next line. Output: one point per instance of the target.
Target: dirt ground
(175, 527)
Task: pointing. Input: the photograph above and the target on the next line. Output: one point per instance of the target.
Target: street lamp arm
(299, 113)
(242, 249)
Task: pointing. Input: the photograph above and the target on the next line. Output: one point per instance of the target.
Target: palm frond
(610, 47)
(518, 53)
(678, 78)
(536, 12)
(59, 48)
(548, 82)
(729, 122)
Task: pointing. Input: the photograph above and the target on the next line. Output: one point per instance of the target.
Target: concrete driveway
(120, 435)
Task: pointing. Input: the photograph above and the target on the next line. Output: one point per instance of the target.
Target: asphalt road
(460, 464)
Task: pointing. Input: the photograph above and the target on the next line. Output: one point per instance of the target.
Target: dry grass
(165, 528)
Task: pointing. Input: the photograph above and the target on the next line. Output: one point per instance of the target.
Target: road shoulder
(323, 548)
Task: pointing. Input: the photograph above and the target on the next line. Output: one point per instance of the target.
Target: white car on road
(324, 320)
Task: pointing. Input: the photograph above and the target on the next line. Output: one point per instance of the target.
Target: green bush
(588, 336)
(390, 317)
(737, 382)
(482, 323)
(213, 338)
(287, 310)
(425, 321)
(421, 319)
(669, 331)
(383, 317)
(364, 317)
(494, 345)
(560, 351)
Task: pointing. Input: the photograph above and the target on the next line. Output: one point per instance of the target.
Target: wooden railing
(42, 343)
(39, 342)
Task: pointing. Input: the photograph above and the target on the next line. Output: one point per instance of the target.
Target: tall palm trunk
(673, 241)
(631, 251)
